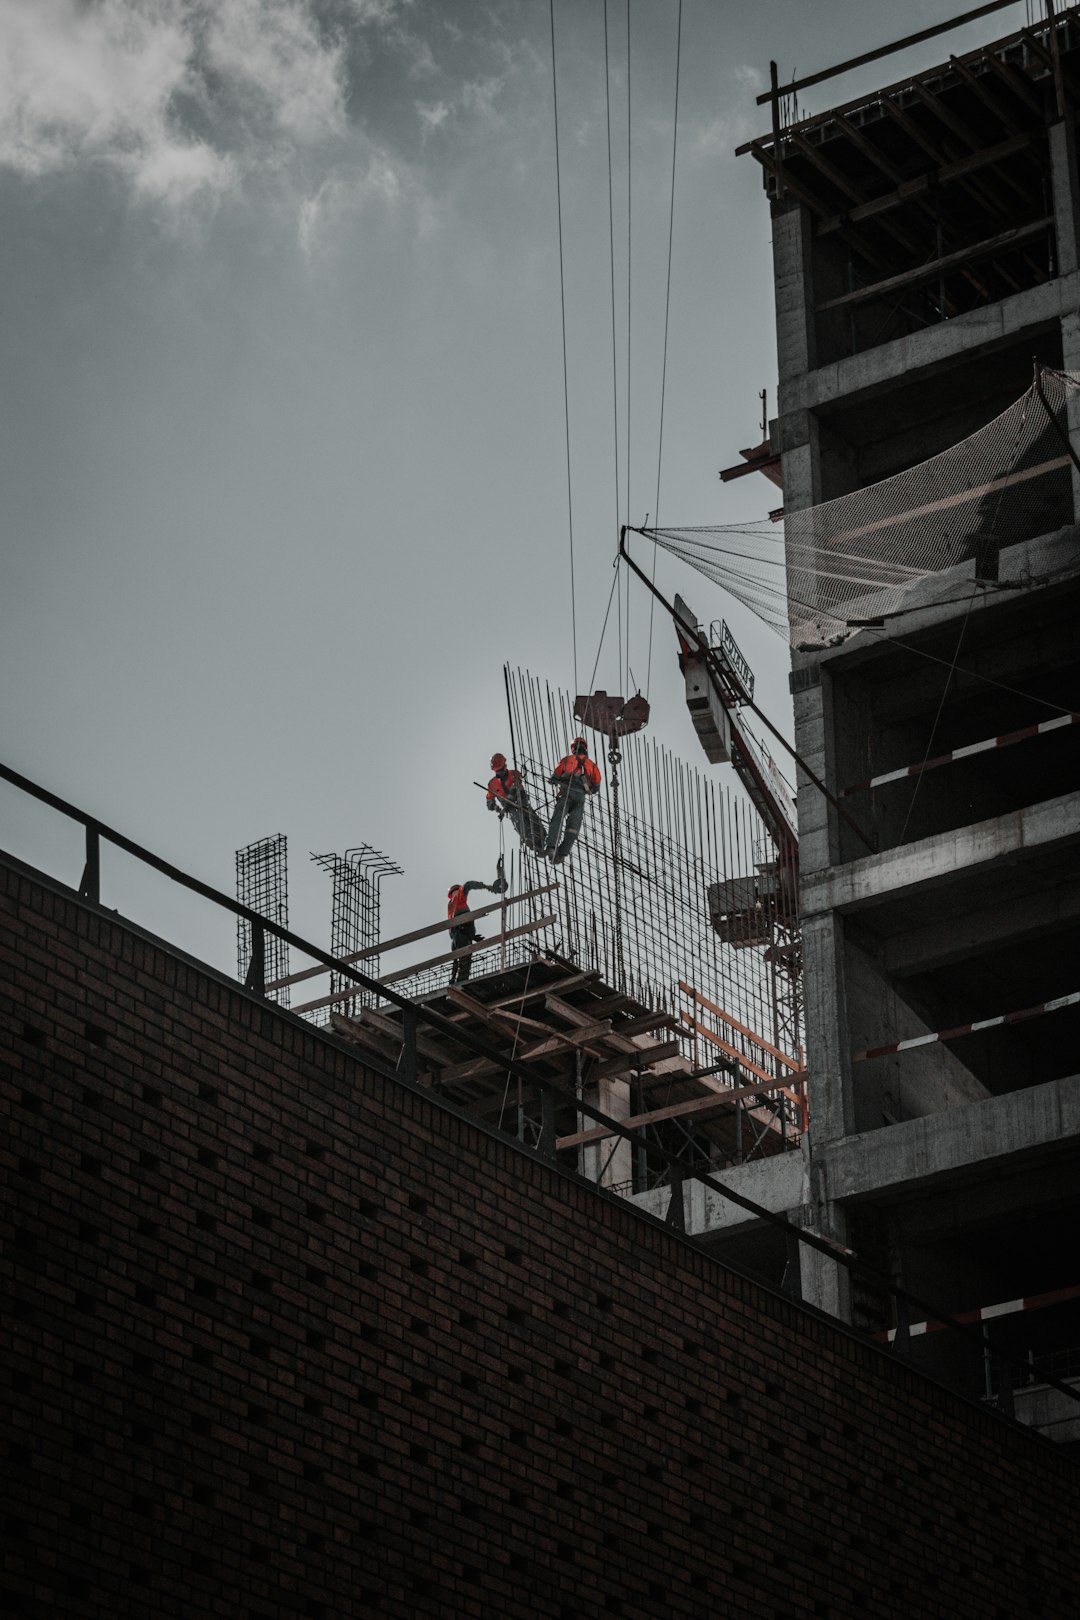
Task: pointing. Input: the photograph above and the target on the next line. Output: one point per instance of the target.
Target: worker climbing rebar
(507, 796)
(576, 777)
(457, 898)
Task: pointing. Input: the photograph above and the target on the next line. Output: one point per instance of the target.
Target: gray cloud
(181, 99)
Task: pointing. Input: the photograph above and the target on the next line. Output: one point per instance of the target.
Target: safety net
(864, 556)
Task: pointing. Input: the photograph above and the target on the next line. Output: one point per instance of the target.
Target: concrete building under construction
(589, 1287)
(926, 258)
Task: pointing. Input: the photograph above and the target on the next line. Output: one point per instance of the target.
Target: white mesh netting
(862, 555)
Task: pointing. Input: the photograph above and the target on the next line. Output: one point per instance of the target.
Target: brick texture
(286, 1338)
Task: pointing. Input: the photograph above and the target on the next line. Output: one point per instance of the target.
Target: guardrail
(909, 1307)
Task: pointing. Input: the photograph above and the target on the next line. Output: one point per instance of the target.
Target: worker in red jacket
(506, 794)
(576, 778)
(457, 903)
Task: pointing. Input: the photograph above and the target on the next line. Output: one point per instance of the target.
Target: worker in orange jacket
(506, 794)
(576, 778)
(457, 903)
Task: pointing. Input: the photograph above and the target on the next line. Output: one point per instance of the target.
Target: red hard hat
(498, 761)
(579, 742)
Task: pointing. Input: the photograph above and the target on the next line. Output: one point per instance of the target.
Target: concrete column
(828, 1052)
(825, 1283)
(792, 234)
(1066, 194)
(609, 1161)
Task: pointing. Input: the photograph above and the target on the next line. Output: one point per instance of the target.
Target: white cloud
(432, 115)
(380, 181)
(80, 82)
(269, 53)
(183, 98)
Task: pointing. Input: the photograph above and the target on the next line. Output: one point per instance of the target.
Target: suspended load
(614, 716)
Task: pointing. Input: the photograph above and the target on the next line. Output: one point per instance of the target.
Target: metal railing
(908, 1306)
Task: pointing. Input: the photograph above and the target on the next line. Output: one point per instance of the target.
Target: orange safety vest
(497, 789)
(458, 901)
(572, 766)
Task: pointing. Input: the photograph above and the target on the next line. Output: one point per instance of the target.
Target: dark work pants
(566, 822)
(525, 822)
(460, 970)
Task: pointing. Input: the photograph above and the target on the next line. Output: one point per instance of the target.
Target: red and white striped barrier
(968, 1029)
(986, 1313)
(986, 747)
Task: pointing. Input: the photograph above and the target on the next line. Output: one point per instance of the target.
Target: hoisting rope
(614, 757)
(667, 315)
(566, 384)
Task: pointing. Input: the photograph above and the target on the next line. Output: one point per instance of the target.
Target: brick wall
(284, 1338)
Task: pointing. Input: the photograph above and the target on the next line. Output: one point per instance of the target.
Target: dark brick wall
(286, 1338)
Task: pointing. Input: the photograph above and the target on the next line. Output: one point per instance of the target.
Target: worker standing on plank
(506, 794)
(575, 777)
(464, 933)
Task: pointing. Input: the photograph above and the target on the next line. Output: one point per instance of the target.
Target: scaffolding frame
(634, 898)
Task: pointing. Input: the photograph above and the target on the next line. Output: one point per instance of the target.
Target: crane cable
(614, 351)
(566, 385)
(667, 315)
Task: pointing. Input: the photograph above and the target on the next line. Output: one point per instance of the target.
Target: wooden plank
(434, 961)
(559, 987)
(751, 1034)
(816, 120)
(879, 51)
(577, 1016)
(772, 1083)
(923, 184)
(417, 933)
(472, 1069)
(425, 1046)
(641, 1057)
(696, 1105)
(471, 950)
(503, 1020)
(643, 1026)
(935, 267)
(570, 1037)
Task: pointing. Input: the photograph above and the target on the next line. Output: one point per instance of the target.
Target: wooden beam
(1015, 80)
(559, 987)
(887, 50)
(470, 950)
(386, 1026)
(697, 1105)
(772, 1083)
(642, 1057)
(644, 1025)
(976, 82)
(923, 184)
(569, 1037)
(936, 267)
(815, 120)
(417, 933)
(743, 1029)
(434, 961)
(868, 148)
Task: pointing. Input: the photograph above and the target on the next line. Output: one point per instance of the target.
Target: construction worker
(457, 898)
(575, 777)
(506, 794)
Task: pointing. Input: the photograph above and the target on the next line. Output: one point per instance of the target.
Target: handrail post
(90, 884)
(256, 973)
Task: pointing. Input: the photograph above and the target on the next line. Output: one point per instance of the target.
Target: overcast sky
(282, 456)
